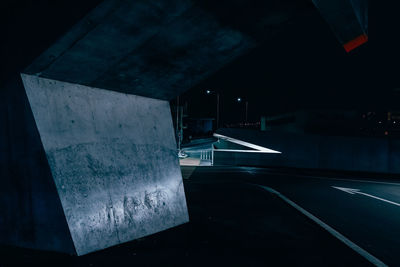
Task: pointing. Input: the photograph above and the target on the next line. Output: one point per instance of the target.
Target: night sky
(29, 27)
(305, 67)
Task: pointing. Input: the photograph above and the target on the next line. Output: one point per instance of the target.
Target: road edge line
(372, 259)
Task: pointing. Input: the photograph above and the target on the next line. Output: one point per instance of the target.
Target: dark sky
(29, 27)
(305, 67)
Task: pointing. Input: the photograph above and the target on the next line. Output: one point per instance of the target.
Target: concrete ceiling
(150, 48)
(160, 48)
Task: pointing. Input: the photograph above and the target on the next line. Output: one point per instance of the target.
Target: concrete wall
(312, 151)
(113, 161)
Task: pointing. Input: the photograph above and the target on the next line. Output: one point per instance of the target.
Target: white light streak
(258, 149)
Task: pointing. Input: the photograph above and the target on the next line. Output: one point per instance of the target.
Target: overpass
(99, 163)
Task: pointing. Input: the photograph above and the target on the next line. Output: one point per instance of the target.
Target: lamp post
(178, 126)
(240, 100)
(209, 92)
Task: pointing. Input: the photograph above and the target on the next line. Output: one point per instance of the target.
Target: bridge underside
(103, 166)
(99, 101)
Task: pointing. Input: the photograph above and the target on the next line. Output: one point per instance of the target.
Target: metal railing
(206, 154)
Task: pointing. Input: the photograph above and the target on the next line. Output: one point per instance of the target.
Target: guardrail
(206, 155)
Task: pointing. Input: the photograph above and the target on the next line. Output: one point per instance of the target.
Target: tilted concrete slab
(113, 156)
(113, 160)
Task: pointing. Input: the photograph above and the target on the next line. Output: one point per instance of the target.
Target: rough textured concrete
(311, 151)
(113, 160)
(156, 49)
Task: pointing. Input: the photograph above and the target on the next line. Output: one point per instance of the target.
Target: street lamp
(209, 92)
(179, 130)
(239, 100)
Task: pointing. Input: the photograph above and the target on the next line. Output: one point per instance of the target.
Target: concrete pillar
(113, 160)
(108, 159)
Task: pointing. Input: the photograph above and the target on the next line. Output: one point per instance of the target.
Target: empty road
(364, 210)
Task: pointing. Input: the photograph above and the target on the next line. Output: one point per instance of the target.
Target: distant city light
(208, 92)
(239, 99)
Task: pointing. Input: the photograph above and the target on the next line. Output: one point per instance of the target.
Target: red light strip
(356, 42)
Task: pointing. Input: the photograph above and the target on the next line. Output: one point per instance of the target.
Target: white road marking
(328, 228)
(357, 191)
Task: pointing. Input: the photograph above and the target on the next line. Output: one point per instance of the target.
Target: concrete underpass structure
(99, 98)
(91, 162)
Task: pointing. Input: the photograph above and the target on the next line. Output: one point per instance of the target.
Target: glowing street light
(209, 92)
(239, 100)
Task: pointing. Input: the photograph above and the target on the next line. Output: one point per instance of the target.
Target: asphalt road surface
(236, 219)
(365, 210)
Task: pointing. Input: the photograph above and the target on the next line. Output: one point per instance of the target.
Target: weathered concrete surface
(113, 160)
(316, 152)
(156, 48)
